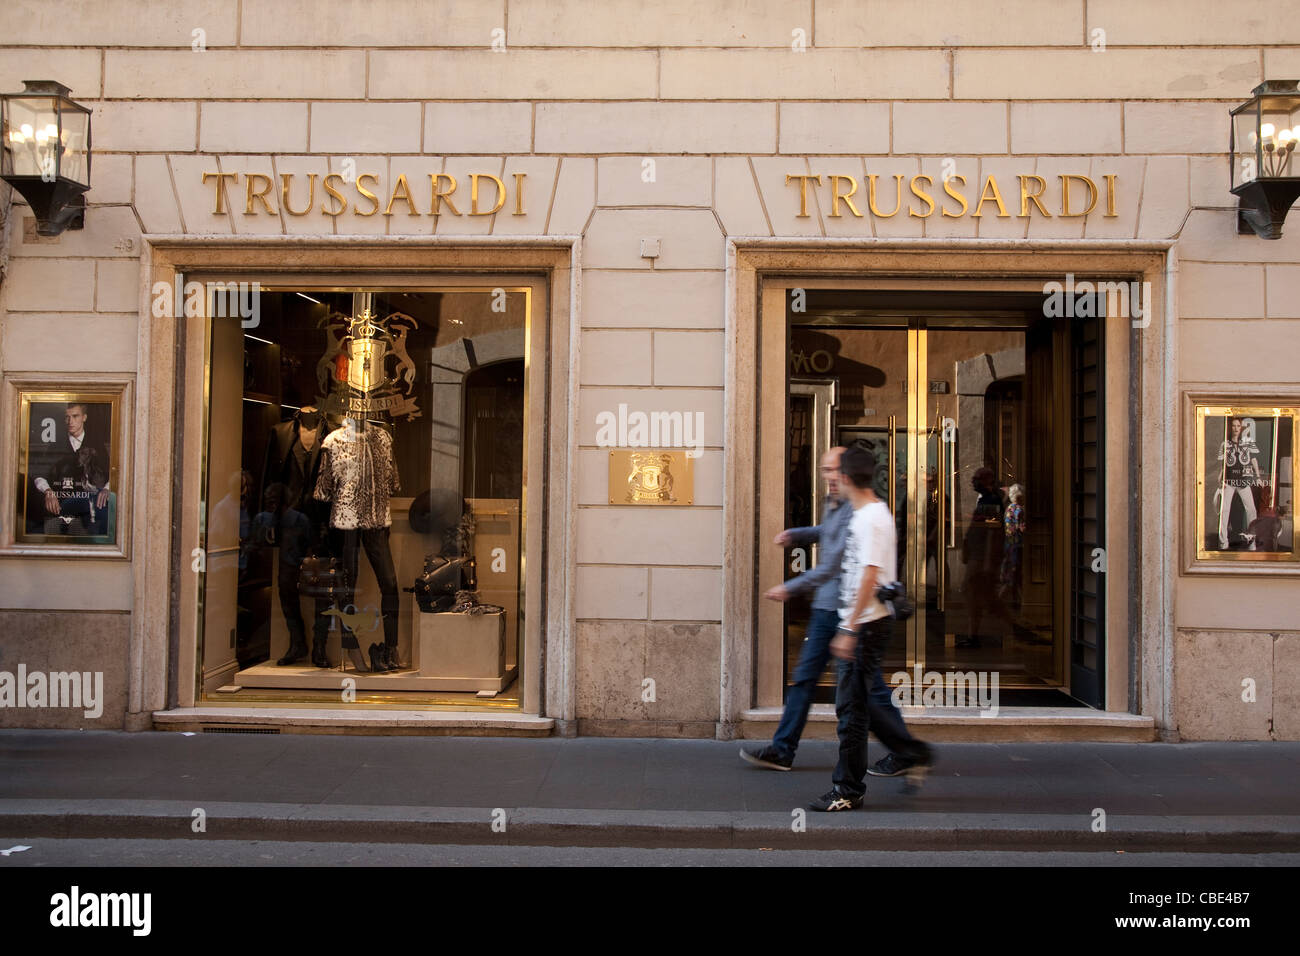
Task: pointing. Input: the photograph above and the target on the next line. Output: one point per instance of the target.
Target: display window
(363, 523)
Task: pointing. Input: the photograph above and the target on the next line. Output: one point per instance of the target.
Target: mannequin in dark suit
(293, 456)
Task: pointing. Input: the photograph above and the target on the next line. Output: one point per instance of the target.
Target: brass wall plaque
(651, 476)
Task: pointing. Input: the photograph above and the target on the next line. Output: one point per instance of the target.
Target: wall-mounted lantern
(1265, 172)
(46, 153)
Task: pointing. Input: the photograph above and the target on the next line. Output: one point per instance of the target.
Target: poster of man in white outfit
(1239, 457)
(1247, 480)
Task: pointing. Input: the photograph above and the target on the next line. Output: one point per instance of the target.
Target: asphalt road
(94, 853)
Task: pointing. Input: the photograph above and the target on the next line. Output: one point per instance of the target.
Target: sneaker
(766, 757)
(917, 769)
(891, 765)
(833, 800)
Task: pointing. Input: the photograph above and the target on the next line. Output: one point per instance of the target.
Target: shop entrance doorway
(984, 419)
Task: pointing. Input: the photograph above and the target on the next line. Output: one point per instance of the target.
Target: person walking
(824, 581)
(861, 638)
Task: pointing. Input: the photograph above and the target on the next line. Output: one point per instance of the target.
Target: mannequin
(358, 476)
(297, 521)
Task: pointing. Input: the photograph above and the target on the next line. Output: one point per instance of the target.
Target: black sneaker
(833, 800)
(891, 765)
(766, 757)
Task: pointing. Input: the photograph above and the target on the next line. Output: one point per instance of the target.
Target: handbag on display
(320, 577)
(435, 589)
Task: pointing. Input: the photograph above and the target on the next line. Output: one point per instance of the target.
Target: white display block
(467, 651)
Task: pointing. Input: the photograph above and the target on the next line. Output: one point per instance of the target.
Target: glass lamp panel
(75, 164)
(28, 142)
(1246, 155)
(1278, 119)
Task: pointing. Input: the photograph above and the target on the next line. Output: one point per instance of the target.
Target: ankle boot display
(318, 658)
(296, 652)
(358, 661)
(390, 657)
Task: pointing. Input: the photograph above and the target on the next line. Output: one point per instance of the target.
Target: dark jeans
(886, 720)
(375, 541)
(290, 604)
(859, 707)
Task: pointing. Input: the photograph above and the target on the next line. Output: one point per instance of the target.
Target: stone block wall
(680, 122)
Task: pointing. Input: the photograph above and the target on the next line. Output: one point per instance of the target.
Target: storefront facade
(594, 295)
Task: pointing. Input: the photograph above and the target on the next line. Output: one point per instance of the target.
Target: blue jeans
(886, 720)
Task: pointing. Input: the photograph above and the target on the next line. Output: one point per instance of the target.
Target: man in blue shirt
(824, 580)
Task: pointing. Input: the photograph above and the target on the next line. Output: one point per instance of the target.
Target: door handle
(940, 511)
(951, 453)
(893, 471)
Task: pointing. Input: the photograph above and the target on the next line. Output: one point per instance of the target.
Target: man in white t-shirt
(865, 628)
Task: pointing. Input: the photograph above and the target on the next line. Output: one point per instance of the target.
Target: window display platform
(289, 719)
(305, 677)
(454, 652)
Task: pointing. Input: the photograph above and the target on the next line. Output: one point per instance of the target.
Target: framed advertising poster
(1245, 483)
(68, 486)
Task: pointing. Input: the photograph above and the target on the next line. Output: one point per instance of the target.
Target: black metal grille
(241, 730)
(1088, 514)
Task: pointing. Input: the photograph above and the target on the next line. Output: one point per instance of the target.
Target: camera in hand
(894, 597)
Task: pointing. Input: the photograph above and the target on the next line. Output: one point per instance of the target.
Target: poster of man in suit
(70, 466)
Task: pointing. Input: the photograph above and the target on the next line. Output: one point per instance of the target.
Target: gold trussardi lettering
(871, 195)
(957, 196)
(473, 194)
(1035, 196)
(923, 196)
(363, 194)
(219, 209)
(252, 193)
(803, 190)
(285, 180)
(402, 191)
(1026, 197)
(334, 194)
(374, 200)
(847, 198)
(1065, 194)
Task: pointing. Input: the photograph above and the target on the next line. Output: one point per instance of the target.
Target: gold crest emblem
(363, 345)
(650, 477)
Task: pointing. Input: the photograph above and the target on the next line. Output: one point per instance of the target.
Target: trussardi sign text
(333, 195)
(1070, 196)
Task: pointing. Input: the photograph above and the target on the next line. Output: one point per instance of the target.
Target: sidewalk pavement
(593, 791)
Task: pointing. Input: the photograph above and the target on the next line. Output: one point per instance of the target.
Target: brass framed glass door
(987, 584)
(847, 383)
(966, 416)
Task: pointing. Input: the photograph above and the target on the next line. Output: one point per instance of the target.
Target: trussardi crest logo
(650, 479)
(363, 350)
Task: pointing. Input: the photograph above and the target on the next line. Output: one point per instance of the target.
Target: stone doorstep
(360, 721)
(951, 724)
(939, 724)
